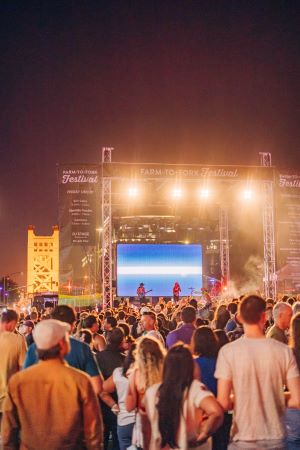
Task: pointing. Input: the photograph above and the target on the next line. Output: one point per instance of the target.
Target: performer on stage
(176, 291)
(141, 292)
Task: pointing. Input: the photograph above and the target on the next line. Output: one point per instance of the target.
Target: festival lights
(177, 193)
(247, 194)
(204, 193)
(133, 191)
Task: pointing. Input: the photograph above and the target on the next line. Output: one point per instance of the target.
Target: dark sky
(164, 81)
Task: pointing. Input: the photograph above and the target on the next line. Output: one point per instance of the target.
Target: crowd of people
(177, 375)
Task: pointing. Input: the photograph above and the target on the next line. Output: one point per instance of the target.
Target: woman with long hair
(147, 371)
(293, 415)
(175, 407)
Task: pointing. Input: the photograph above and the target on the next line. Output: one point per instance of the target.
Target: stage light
(133, 192)
(177, 193)
(204, 193)
(248, 194)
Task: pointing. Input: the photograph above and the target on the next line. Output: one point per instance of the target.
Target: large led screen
(158, 266)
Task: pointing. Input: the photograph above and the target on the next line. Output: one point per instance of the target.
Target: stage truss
(164, 172)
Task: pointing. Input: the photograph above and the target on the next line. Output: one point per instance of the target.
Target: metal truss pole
(224, 244)
(107, 232)
(270, 277)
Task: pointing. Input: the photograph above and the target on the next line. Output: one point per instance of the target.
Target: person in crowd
(221, 337)
(255, 370)
(292, 414)
(219, 313)
(108, 360)
(26, 329)
(238, 330)
(12, 350)
(296, 308)
(86, 336)
(185, 331)
(282, 314)
(175, 407)
(147, 371)
(176, 320)
(80, 355)
(118, 382)
(149, 324)
(98, 341)
(34, 317)
(121, 317)
(160, 326)
(131, 320)
(205, 347)
(222, 318)
(59, 418)
(110, 323)
(231, 324)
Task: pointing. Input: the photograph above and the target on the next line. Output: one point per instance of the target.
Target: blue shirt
(80, 357)
(230, 326)
(184, 333)
(208, 367)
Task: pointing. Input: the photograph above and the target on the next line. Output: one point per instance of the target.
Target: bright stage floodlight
(133, 192)
(204, 193)
(177, 193)
(248, 194)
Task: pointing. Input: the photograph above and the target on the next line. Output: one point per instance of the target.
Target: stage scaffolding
(224, 244)
(106, 231)
(270, 277)
(124, 171)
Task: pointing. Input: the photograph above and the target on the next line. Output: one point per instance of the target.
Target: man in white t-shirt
(255, 370)
(149, 324)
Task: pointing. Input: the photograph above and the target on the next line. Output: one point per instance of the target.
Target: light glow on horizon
(159, 270)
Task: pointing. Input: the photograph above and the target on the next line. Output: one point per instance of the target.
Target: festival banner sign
(187, 171)
(79, 217)
(288, 230)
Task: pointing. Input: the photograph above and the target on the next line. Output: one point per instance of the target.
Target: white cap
(145, 309)
(49, 332)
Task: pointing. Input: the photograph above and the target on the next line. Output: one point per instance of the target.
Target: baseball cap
(48, 333)
(145, 309)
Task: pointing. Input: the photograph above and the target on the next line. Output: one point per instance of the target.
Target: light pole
(5, 295)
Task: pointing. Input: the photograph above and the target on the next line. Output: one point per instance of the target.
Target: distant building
(42, 262)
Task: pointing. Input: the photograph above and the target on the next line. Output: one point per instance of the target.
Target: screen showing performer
(158, 266)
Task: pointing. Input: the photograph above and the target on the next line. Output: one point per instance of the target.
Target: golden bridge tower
(42, 261)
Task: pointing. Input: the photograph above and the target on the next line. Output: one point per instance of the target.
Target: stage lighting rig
(133, 192)
(177, 193)
(248, 194)
(205, 193)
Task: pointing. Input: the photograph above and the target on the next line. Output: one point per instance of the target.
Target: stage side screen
(158, 266)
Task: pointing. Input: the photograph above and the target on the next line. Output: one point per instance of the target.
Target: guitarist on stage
(141, 292)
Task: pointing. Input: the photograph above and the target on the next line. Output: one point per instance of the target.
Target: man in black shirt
(108, 360)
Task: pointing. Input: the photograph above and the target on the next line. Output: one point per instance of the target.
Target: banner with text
(186, 171)
(79, 218)
(288, 231)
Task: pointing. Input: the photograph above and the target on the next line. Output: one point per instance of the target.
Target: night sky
(160, 81)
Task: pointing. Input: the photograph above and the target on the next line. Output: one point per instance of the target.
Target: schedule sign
(288, 231)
